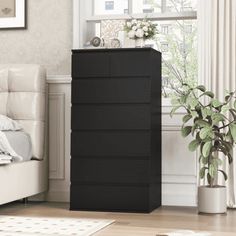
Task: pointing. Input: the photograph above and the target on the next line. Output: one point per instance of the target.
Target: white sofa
(23, 98)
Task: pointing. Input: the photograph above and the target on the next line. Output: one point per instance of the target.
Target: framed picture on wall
(12, 14)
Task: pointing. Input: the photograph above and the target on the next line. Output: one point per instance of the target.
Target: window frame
(164, 15)
(83, 13)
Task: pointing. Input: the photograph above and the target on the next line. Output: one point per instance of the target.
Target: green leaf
(186, 118)
(175, 102)
(204, 113)
(204, 132)
(235, 104)
(232, 128)
(227, 98)
(209, 178)
(216, 118)
(225, 108)
(212, 171)
(193, 129)
(202, 172)
(192, 102)
(183, 99)
(201, 87)
(202, 123)
(185, 131)
(209, 94)
(227, 145)
(233, 113)
(224, 174)
(193, 145)
(206, 149)
(204, 160)
(194, 114)
(230, 158)
(174, 110)
(216, 162)
(216, 103)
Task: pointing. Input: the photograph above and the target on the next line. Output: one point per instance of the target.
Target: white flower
(139, 33)
(128, 24)
(145, 28)
(133, 21)
(134, 28)
(131, 34)
(146, 34)
(138, 25)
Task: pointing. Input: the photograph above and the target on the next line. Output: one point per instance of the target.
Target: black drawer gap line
(111, 103)
(147, 158)
(142, 77)
(111, 184)
(112, 130)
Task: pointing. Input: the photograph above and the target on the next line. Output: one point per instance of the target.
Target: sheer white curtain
(217, 59)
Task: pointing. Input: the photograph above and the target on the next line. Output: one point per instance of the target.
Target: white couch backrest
(22, 98)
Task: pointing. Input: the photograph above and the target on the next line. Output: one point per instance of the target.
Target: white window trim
(83, 12)
(151, 16)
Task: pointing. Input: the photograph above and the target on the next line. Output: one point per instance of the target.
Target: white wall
(179, 171)
(59, 138)
(47, 39)
(179, 165)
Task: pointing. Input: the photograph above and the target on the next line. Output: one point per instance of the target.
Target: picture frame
(13, 14)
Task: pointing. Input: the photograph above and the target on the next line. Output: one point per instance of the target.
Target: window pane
(180, 5)
(105, 7)
(146, 6)
(177, 40)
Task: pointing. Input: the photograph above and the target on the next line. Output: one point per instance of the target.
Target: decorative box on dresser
(116, 130)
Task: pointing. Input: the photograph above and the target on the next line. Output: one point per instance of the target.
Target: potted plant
(212, 123)
(140, 30)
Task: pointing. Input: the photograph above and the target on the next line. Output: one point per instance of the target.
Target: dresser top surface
(114, 50)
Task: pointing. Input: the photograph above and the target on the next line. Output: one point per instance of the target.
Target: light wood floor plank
(162, 220)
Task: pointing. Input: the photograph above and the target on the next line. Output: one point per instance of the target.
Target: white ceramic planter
(212, 200)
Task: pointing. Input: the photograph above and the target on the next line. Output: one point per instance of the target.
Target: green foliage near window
(182, 53)
(180, 36)
(211, 122)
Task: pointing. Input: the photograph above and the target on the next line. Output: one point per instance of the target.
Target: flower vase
(139, 43)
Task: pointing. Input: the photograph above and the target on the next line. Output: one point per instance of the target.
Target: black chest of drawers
(116, 130)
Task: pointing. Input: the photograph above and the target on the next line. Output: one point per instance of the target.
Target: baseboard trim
(58, 196)
(169, 199)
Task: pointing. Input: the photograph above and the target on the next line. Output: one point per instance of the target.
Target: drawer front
(109, 198)
(123, 143)
(111, 90)
(112, 116)
(110, 170)
(130, 63)
(92, 64)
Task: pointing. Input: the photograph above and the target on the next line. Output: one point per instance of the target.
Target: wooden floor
(162, 220)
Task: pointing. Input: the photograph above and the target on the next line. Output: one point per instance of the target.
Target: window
(109, 5)
(147, 6)
(188, 29)
(176, 24)
(103, 7)
(164, 47)
(164, 29)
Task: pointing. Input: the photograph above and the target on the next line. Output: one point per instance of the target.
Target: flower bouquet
(140, 30)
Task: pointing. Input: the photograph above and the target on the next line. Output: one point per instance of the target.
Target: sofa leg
(25, 201)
